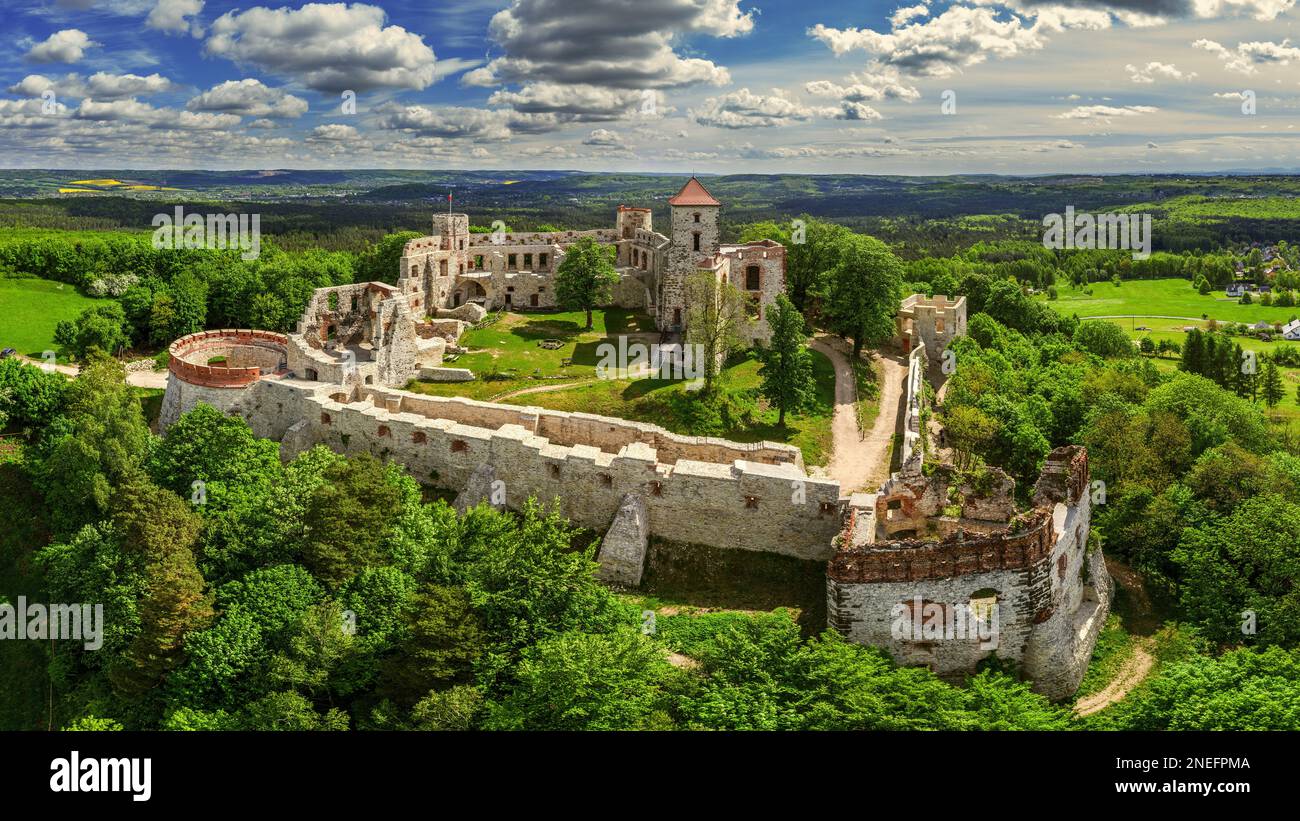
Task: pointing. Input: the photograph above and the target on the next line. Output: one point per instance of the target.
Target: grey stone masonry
(478, 489)
(623, 551)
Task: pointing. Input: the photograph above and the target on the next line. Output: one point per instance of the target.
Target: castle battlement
(1050, 587)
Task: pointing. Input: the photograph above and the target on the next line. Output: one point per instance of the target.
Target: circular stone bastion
(218, 367)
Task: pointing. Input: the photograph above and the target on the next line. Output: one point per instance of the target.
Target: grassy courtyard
(32, 308)
(507, 359)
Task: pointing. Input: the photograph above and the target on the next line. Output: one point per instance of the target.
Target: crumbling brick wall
(1051, 590)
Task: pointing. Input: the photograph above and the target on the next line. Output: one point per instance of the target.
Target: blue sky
(976, 86)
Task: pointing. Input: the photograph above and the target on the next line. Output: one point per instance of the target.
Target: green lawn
(661, 402)
(31, 308)
(510, 347)
(1161, 297)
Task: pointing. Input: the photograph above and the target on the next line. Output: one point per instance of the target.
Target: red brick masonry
(215, 376)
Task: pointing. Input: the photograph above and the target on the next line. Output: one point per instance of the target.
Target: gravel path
(860, 461)
(1135, 669)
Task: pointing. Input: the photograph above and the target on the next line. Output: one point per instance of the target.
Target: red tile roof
(693, 193)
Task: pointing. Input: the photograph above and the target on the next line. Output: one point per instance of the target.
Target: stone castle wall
(1052, 592)
(913, 435)
(749, 505)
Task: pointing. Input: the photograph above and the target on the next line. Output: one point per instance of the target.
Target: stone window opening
(696, 240)
(656, 488)
(982, 603)
(459, 446)
(385, 431)
(751, 503)
(325, 419)
(829, 507)
(1061, 563)
(528, 262)
(541, 260)
(753, 281)
(532, 300)
(419, 437)
(311, 374)
(510, 261)
(554, 470)
(354, 303)
(606, 480)
(442, 268)
(697, 216)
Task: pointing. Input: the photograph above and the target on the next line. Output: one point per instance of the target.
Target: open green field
(31, 308)
(509, 348)
(1286, 412)
(1161, 297)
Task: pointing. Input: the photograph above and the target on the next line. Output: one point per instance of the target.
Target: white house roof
(1291, 327)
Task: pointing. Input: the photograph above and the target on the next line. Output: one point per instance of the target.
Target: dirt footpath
(858, 461)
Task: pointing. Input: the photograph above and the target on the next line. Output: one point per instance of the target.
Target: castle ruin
(930, 543)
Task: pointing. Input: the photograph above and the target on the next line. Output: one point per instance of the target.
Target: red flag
(448, 196)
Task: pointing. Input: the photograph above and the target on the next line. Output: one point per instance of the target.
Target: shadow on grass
(585, 353)
(718, 578)
(547, 329)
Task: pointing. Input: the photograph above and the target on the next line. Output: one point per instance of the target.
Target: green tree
(30, 396)
(348, 518)
(811, 247)
(445, 639)
(1246, 561)
(174, 605)
(100, 439)
(288, 711)
(863, 291)
(1272, 388)
(585, 278)
(715, 322)
(1105, 339)
(103, 326)
(382, 260)
(787, 365)
(584, 681)
(969, 431)
(1193, 356)
(320, 644)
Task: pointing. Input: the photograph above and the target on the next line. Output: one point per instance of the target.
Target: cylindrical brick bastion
(248, 355)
